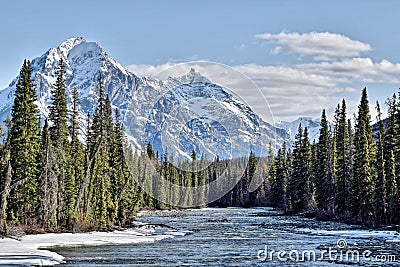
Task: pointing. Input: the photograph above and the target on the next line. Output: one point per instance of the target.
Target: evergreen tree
(58, 114)
(5, 178)
(342, 157)
(74, 127)
(120, 176)
(252, 192)
(25, 148)
(100, 208)
(58, 131)
(150, 151)
(48, 182)
(280, 171)
(364, 171)
(380, 205)
(301, 174)
(194, 177)
(76, 166)
(278, 179)
(391, 148)
(322, 158)
(325, 169)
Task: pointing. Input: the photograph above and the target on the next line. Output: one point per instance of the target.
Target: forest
(59, 177)
(350, 174)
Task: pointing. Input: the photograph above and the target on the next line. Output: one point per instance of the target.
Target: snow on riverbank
(29, 250)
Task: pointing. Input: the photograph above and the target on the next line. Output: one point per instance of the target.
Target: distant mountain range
(178, 115)
(312, 124)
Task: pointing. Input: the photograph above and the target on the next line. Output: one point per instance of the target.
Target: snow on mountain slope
(179, 114)
(292, 127)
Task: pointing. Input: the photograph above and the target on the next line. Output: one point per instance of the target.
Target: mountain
(178, 115)
(312, 124)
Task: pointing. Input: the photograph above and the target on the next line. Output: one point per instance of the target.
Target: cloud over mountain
(321, 45)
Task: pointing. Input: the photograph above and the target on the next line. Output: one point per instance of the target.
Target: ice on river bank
(30, 249)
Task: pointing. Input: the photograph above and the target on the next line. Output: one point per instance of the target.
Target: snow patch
(29, 249)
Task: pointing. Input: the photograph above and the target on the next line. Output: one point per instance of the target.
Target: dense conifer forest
(51, 180)
(350, 174)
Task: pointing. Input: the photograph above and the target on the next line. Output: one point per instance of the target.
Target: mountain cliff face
(292, 127)
(177, 115)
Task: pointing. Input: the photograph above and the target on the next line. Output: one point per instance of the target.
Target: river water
(245, 237)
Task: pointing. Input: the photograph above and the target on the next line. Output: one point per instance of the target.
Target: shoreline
(35, 249)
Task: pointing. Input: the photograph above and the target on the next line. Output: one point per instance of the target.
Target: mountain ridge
(145, 103)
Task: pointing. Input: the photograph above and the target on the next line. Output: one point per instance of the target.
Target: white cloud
(321, 45)
(361, 69)
(291, 91)
(149, 70)
(301, 89)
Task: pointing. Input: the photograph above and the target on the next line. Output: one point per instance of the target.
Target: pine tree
(119, 176)
(252, 180)
(296, 180)
(308, 197)
(391, 148)
(380, 205)
(364, 171)
(48, 182)
(76, 166)
(25, 148)
(74, 129)
(58, 114)
(194, 177)
(99, 193)
(272, 176)
(301, 174)
(322, 158)
(325, 169)
(329, 186)
(58, 131)
(342, 157)
(280, 171)
(5, 178)
(150, 151)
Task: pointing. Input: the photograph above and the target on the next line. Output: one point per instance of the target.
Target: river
(245, 237)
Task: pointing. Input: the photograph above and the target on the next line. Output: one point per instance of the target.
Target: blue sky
(155, 33)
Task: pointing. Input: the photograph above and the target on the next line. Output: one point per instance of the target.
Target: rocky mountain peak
(146, 104)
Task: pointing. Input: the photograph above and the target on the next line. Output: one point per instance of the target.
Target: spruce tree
(58, 114)
(25, 148)
(380, 205)
(325, 168)
(76, 166)
(100, 204)
(5, 178)
(391, 148)
(342, 156)
(48, 182)
(74, 128)
(364, 169)
(301, 173)
(281, 169)
(58, 131)
(308, 197)
(119, 176)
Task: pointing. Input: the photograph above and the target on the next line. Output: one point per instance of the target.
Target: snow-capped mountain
(179, 114)
(312, 124)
